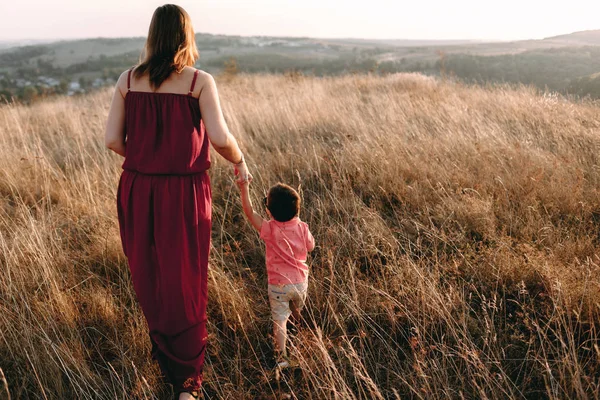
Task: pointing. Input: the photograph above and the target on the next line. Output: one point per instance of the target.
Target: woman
(162, 117)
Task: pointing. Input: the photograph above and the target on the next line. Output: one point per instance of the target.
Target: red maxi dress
(164, 208)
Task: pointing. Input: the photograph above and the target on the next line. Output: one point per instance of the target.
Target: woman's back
(157, 122)
(164, 131)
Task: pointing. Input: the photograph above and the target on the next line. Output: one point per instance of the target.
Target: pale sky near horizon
(383, 19)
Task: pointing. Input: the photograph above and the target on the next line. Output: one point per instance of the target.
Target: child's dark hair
(283, 202)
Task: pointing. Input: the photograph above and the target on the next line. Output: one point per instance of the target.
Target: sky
(369, 19)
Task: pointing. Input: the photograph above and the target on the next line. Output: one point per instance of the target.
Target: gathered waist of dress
(166, 174)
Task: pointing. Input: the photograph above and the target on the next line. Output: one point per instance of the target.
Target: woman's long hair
(171, 45)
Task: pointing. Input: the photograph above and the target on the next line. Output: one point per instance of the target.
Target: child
(287, 241)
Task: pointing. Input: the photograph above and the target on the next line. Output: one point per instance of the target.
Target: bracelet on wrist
(241, 161)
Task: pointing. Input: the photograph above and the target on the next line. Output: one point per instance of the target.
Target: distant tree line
(347, 64)
(553, 69)
(21, 55)
(587, 86)
(566, 70)
(103, 62)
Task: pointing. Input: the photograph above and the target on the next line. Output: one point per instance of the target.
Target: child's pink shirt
(288, 244)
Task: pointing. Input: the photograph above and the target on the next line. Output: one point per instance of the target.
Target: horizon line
(479, 40)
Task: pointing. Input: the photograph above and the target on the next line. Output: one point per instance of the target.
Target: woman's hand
(242, 173)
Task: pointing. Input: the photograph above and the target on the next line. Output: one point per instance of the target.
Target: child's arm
(255, 219)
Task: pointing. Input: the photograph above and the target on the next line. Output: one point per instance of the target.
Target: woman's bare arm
(114, 137)
(216, 127)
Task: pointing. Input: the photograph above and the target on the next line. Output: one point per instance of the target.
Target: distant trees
(280, 64)
(29, 94)
(84, 82)
(554, 69)
(5, 95)
(45, 66)
(103, 62)
(586, 86)
(63, 86)
(404, 65)
(568, 70)
(21, 55)
(231, 67)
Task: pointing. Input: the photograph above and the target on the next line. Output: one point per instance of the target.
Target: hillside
(74, 67)
(457, 234)
(583, 38)
(586, 86)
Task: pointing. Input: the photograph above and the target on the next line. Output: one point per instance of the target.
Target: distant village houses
(48, 82)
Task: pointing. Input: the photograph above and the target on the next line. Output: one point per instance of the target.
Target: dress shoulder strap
(193, 83)
(129, 79)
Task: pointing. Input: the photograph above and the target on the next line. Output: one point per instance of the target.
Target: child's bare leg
(280, 333)
(295, 312)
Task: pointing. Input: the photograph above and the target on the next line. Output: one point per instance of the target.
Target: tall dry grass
(457, 255)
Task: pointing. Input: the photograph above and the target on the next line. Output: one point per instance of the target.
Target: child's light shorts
(280, 297)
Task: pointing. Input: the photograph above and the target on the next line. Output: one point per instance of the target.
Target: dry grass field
(458, 246)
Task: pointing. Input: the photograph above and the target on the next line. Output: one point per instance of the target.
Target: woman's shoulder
(125, 74)
(193, 70)
(203, 76)
(204, 79)
(122, 82)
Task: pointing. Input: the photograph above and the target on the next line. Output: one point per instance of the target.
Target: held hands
(242, 173)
